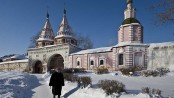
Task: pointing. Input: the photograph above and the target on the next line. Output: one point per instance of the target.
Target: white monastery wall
(18, 65)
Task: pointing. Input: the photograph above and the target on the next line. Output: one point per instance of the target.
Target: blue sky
(97, 19)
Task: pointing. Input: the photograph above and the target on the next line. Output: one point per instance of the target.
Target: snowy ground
(23, 85)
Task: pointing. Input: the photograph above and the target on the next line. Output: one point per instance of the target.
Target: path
(44, 90)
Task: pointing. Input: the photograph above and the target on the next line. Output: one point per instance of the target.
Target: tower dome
(130, 20)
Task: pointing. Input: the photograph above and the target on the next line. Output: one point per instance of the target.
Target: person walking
(56, 82)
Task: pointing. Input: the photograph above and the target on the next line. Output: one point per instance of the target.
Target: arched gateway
(55, 61)
(37, 67)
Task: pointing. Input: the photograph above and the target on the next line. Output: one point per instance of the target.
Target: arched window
(78, 63)
(101, 62)
(120, 59)
(92, 62)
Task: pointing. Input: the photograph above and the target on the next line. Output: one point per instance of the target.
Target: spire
(64, 10)
(65, 33)
(47, 13)
(64, 29)
(47, 31)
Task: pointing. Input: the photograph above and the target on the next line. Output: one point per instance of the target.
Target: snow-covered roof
(59, 36)
(47, 32)
(17, 56)
(45, 39)
(96, 50)
(23, 61)
(152, 45)
(130, 43)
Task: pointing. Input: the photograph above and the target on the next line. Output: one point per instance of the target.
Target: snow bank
(17, 85)
(140, 95)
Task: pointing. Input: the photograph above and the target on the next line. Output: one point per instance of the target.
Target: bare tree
(164, 11)
(84, 42)
(33, 40)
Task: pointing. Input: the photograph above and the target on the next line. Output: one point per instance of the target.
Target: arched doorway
(55, 61)
(38, 68)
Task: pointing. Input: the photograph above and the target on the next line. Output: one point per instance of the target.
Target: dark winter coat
(56, 81)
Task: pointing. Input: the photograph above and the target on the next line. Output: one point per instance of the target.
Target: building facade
(62, 51)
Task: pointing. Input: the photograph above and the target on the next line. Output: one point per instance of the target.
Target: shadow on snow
(20, 86)
(66, 95)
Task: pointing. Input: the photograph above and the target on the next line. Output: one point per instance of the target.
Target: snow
(60, 36)
(45, 39)
(24, 85)
(17, 85)
(130, 43)
(17, 56)
(96, 50)
(152, 45)
(21, 61)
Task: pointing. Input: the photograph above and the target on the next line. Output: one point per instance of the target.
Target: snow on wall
(161, 55)
(17, 65)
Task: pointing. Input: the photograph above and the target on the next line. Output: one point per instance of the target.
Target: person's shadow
(66, 95)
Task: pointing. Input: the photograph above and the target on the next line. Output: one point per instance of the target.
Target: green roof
(130, 20)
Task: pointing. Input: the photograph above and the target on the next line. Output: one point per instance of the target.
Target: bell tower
(131, 29)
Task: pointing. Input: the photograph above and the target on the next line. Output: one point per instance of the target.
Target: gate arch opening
(38, 68)
(55, 61)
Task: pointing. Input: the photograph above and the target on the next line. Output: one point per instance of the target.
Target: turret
(65, 34)
(46, 36)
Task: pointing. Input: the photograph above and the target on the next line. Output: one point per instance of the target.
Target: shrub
(156, 92)
(163, 71)
(146, 90)
(153, 73)
(84, 81)
(101, 70)
(153, 92)
(74, 70)
(67, 76)
(111, 86)
(157, 72)
(130, 70)
(70, 77)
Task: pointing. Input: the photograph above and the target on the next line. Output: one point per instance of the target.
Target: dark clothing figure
(57, 81)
